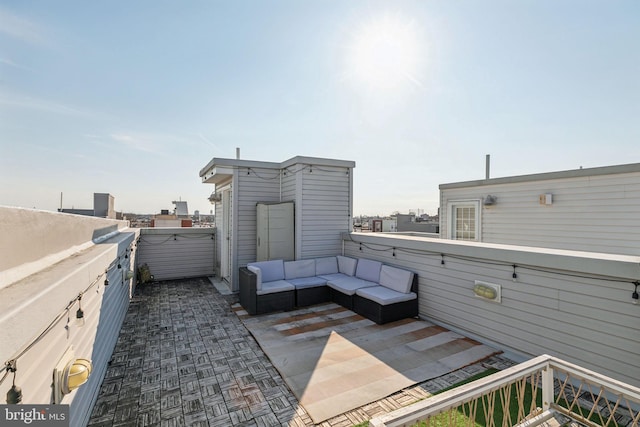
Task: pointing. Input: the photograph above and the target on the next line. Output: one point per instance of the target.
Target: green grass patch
(460, 417)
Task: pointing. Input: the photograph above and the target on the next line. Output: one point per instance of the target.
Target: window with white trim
(464, 220)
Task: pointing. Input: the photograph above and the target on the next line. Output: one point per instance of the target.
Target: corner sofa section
(379, 292)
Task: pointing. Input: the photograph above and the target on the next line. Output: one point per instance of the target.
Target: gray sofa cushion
(326, 265)
(396, 278)
(307, 282)
(347, 265)
(300, 268)
(271, 270)
(349, 285)
(385, 296)
(275, 286)
(368, 270)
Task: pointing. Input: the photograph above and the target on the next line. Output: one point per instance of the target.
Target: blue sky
(134, 98)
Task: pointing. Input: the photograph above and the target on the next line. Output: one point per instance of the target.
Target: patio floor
(183, 358)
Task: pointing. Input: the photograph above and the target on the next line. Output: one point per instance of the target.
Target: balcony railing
(528, 394)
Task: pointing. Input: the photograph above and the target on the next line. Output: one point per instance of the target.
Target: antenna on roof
(487, 166)
(61, 201)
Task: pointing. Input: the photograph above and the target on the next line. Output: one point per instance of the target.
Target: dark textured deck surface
(183, 358)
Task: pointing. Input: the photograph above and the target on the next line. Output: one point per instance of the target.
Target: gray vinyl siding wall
(588, 321)
(41, 297)
(325, 211)
(176, 253)
(259, 185)
(589, 213)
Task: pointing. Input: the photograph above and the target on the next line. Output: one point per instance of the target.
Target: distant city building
(181, 210)
(103, 207)
(180, 217)
(420, 224)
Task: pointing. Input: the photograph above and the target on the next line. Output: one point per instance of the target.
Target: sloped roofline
(573, 173)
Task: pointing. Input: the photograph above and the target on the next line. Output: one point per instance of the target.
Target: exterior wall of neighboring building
(587, 209)
(62, 256)
(104, 205)
(574, 305)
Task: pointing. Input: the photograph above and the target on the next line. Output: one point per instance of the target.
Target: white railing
(527, 394)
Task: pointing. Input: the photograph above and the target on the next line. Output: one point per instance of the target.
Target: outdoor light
(75, 374)
(80, 314)
(106, 281)
(635, 295)
(490, 200)
(69, 374)
(14, 395)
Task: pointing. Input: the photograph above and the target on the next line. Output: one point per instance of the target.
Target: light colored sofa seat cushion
(334, 276)
(271, 270)
(307, 282)
(349, 285)
(326, 265)
(347, 265)
(368, 270)
(300, 268)
(275, 286)
(385, 296)
(396, 278)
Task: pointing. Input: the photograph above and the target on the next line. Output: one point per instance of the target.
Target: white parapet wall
(574, 305)
(33, 239)
(53, 264)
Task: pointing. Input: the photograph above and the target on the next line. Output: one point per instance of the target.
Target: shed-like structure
(321, 190)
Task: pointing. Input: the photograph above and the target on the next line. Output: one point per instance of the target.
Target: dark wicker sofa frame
(259, 304)
(387, 313)
(312, 296)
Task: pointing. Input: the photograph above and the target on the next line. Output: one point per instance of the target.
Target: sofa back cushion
(396, 278)
(326, 265)
(347, 265)
(271, 270)
(368, 270)
(300, 268)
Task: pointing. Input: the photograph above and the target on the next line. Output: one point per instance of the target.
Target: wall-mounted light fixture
(488, 291)
(215, 197)
(546, 199)
(490, 200)
(69, 374)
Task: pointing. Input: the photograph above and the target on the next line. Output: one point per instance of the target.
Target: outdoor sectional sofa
(380, 292)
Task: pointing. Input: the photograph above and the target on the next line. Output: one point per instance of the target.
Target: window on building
(465, 220)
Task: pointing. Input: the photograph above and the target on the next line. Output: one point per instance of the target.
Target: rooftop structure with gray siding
(321, 190)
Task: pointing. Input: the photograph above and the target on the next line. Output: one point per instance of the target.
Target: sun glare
(384, 54)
